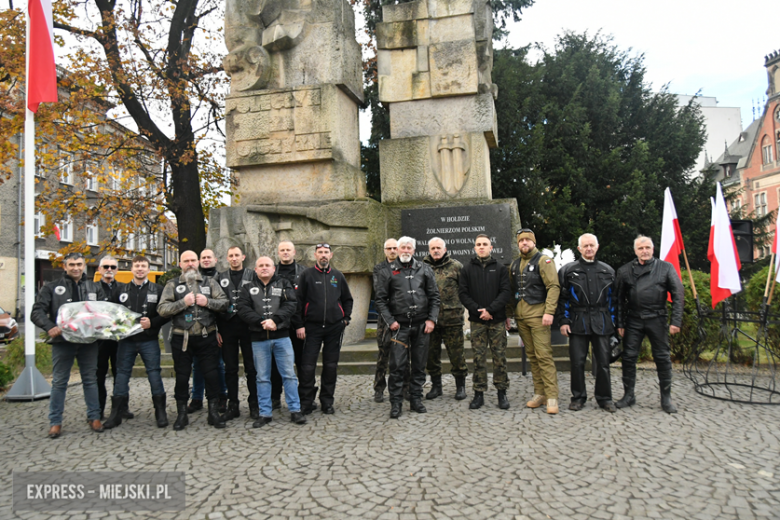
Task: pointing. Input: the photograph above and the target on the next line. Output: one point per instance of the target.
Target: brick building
(751, 162)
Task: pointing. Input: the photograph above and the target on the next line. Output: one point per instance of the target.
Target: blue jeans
(282, 351)
(150, 354)
(199, 384)
(62, 356)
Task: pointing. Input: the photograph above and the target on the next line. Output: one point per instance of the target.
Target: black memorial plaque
(459, 226)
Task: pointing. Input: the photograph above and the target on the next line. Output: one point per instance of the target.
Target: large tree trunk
(187, 206)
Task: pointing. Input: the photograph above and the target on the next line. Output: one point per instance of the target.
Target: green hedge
(754, 297)
(683, 344)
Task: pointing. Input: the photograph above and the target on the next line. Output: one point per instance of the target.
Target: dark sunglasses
(322, 245)
(524, 230)
(109, 267)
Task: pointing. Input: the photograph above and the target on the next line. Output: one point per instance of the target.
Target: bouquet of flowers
(85, 322)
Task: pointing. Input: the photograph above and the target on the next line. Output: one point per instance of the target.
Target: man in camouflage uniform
(535, 290)
(484, 291)
(383, 335)
(449, 328)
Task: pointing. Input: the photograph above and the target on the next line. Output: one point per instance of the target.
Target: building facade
(751, 162)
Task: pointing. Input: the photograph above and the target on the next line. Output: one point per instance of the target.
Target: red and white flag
(722, 253)
(41, 71)
(671, 238)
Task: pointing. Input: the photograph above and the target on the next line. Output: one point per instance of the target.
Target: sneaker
(536, 401)
(552, 406)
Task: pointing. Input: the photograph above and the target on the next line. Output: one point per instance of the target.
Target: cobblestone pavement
(712, 460)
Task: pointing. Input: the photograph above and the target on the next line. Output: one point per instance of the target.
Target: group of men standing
(279, 317)
(275, 317)
(421, 305)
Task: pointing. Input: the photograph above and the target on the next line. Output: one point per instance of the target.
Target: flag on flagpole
(722, 253)
(777, 257)
(671, 238)
(41, 71)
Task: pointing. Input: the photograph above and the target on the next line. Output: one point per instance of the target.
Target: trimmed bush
(683, 344)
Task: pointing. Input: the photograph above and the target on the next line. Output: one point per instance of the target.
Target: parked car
(8, 327)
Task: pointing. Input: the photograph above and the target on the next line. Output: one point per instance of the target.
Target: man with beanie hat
(535, 291)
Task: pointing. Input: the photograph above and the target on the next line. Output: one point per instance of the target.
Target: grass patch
(14, 356)
(370, 333)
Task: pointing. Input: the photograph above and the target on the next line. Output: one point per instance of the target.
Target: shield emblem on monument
(451, 162)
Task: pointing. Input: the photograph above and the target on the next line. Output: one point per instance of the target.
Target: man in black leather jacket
(72, 287)
(408, 299)
(642, 287)
(586, 309)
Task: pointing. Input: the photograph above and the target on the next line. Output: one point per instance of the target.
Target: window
(91, 179)
(92, 234)
(759, 200)
(766, 150)
(736, 205)
(66, 168)
(38, 224)
(66, 230)
(116, 180)
(141, 242)
(130, 242)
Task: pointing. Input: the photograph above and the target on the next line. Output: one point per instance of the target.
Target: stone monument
(292, 138)
(292, 133)
(434, 60)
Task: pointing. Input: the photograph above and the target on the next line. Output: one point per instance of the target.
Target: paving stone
(449, 463)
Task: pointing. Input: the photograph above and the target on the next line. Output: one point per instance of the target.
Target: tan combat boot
(536, 401)
(552, 406)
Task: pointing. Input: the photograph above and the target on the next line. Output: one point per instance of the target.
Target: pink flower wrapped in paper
(85, 322)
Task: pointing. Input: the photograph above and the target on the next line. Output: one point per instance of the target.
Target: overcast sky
(715, 47)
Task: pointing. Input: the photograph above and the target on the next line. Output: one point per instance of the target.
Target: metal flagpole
(31, 384)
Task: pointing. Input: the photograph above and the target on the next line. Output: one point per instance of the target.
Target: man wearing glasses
(408, 298)
(72, 287)
(383, 335)
(535, 291)
(325, 307)
(107, 348)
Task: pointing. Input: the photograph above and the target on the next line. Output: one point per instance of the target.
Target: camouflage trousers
(383, 337)
(484, 335)
(452, 336)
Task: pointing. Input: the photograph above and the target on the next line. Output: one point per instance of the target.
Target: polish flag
(722, 253)
(671, 238)
(41, 71)
(56, 232)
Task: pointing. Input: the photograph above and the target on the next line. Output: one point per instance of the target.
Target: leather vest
(149, 307)
(528, 284)
(194, 313)
(231, 291)
(266, 300)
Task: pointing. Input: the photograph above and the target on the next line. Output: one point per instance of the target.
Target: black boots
(159, 410)
(435, 388)
(254, 411)
(215, 419)
(628, 398)
(665, 380)
(416, 405)
(223, 400)
(478, 401)
(181, 419)
(232, 411)
(297, 418)
(395, 410)
(460, 387)
(118, 406)
(379, 396)
(503, 402)
(195, 405)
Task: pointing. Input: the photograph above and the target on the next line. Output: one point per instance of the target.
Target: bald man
(193, 301)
